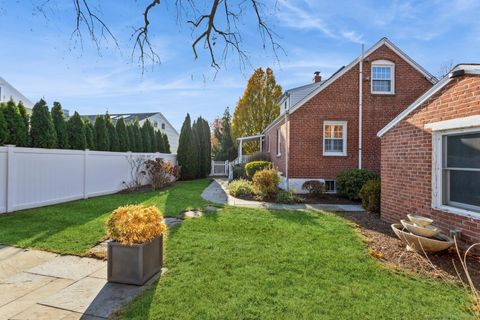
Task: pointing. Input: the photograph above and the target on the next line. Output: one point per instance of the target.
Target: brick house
(318, 135)
(431, 156)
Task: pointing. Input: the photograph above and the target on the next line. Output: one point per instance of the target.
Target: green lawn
(257, 264)
(75, 227)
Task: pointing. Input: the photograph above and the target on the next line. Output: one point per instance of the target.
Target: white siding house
(157, 119)
(7, 92)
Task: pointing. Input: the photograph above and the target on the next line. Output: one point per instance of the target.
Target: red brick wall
(339, 101)
(406, 168)
(271, 137)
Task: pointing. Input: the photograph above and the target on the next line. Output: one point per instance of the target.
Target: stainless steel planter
(134, 264)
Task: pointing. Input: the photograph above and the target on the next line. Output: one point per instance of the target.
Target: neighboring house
(431, 156)
(317, 134)
(157, 119)
(7, 92)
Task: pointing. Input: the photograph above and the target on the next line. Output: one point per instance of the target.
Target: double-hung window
(335, 138)
(383, 77)
(460, 159)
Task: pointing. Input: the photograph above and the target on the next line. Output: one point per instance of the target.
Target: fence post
(85, 174)
(10, 177)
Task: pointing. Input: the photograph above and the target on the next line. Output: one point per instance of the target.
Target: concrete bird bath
(420, 236)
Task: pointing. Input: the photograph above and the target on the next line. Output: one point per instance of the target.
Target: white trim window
(335, 138)
(383, 77)
(456, 176)
(279, 142)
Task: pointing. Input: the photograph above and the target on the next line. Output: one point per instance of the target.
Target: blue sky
(40, 58)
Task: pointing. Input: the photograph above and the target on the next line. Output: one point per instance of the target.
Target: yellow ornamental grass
(135, 224)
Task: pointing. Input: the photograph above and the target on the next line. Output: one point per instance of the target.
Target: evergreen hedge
(89, 134)
(76, 132)
(42, 131)
(112, 134)
(17, 133)
(60, 125)
(187, 153)
(102, 142)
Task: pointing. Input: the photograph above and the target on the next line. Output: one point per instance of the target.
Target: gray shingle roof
(127, 117)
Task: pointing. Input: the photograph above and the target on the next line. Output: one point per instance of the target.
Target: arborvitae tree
(137, 131)
(89, 134)
(102, 142)
(197, 129)
(60, 125)
(76, 132)
(26, 119)
(186, 154)
(146, 138)
(122, 135)
(207, 146)
(112, 134)
(132, 146)
(3, 128)
(151, 130)
(227, 149)
(166, 144)
(17, 134)
(42, 131)
(160, 146)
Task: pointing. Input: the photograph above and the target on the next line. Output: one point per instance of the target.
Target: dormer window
(383, 77)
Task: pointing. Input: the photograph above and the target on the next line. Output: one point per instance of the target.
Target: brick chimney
(317, 77)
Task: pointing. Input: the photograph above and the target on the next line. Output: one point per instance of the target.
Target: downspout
(360, 107)
(287, 183)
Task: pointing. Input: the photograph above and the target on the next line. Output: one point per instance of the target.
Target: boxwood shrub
(252, 167)
(349, 182)
(370, 195)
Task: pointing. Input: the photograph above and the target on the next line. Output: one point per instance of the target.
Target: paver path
(217, 192)
(42, 285)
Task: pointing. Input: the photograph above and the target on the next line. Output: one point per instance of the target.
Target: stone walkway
(217, 192)
(41, 285)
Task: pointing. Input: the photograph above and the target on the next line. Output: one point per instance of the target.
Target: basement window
(330, 186)
(383, 75)
(457, 171)
(335, 138)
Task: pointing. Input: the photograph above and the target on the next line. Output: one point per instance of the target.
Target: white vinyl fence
(32, 177)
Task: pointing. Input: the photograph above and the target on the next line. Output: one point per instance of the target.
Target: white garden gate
(219, 168)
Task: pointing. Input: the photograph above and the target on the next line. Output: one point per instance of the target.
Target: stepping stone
(170, 222)
(14, 260)
(192, 214)
(211, 209)
(69, 267)
(93, 296)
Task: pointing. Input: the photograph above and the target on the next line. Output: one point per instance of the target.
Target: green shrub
(266, 183)
(260, 156)
(285, 197)
(349, 182)
(241, 187)
(314, 187)
(252, 167)
(239, 172)
(370, 195)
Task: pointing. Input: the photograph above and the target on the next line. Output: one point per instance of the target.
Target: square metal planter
(134, 264)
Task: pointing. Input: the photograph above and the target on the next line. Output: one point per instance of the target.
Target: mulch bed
(324, 199)
(384, 245)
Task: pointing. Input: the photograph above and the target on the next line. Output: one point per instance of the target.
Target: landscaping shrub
(285, 197)
(17, 132)
(102, 141)
(135, 224)
(60, 126)
(241, 187)
(252, 167)
(370, 195)
(239, 172)
(314, 187)
(42, 131)
(266, 183)
(349, 182)
(161, 173)
(76, 132)
(260, 156)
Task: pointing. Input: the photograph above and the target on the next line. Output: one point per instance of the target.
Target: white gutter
(360, 107)
(287, 184)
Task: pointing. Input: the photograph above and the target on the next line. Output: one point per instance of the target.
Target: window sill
(334, 154)
(383, 93)
(458, 211)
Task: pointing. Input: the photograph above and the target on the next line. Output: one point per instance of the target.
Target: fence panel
(33, 177)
